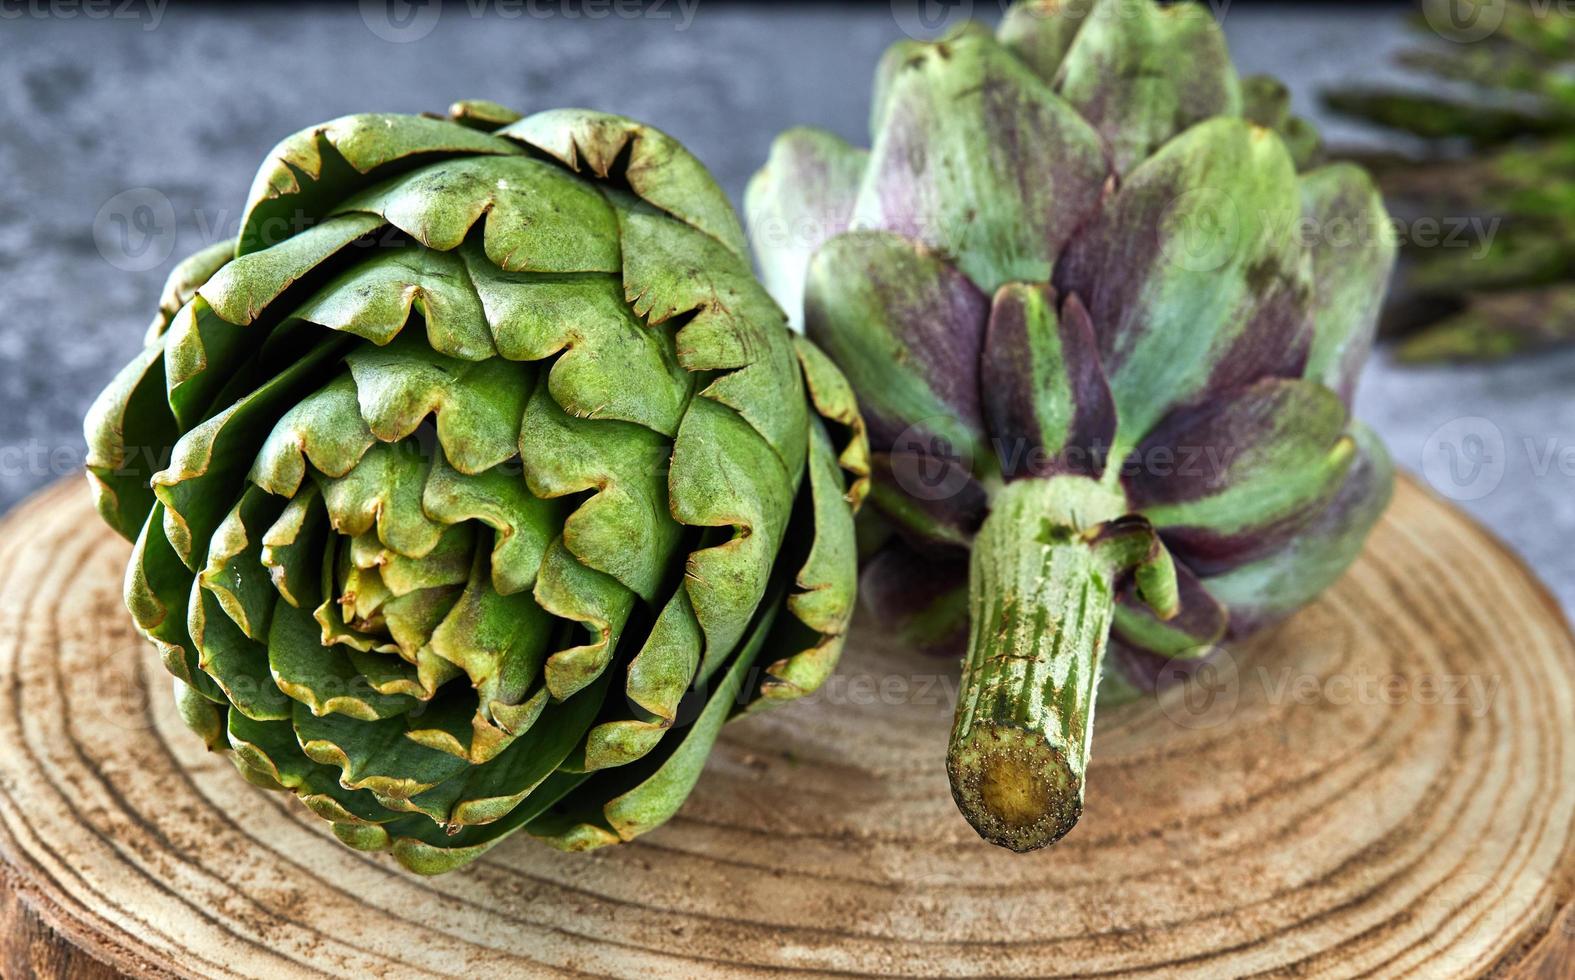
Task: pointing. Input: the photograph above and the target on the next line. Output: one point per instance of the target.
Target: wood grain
(1384, 786)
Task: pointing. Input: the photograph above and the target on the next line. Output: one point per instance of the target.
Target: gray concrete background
(185, 100)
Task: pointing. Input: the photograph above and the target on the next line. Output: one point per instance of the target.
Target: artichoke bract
(490, 483)
(1105, 334)
(1500, 160)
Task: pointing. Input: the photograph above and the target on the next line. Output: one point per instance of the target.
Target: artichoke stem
(1042, 600)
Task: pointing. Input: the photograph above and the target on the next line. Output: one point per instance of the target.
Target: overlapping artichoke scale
(1141, 73)
(802, 198)
(908, 329)
(394, 566)
(789, 648)
(1353, 250)
(1044, 390)
(976, 157)
(1239, 476)
(1261, 592)
(309, 173)
(1193, 273)
(1146, 654)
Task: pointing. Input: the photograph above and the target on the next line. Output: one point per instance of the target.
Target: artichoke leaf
(375, 755)
(1045, 398)
(490, 791)
(1352, 258)
(608, 366)
(208, 464)
(244, 288)
(234, 573)
(1235, 478)
(1198, 623)
(307, 173)
(1041, 32)
(822, 602)
(922, 599)
(128, 429)
(200, 714)
(482, 114)
(1193, 276)
(428, 850)
(975, 157)
(907, 330)
(833, 398)
(654, 165)
(293, 549)
(1142, 73)
(383, 491)
(570, 590)
(324, 429)
(622, 803)
(725, 476)
(157, 592)
(523, 524)
(202, 354)
(374, 300)
(477, 404)
(325, 680)
(188, 276)
(234, 661)
(1267, 589)
(448, 564)
(500, 642)
(931, 499)
(658, 678)
(801, 199)
(669, 270)
(538, 218)
(1266, 101)
(269, 749)
(624, 528)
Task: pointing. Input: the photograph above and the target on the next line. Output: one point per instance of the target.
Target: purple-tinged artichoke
(490, 482)
(1105, 335)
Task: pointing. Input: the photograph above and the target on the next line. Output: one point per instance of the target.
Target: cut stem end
(1014, 787)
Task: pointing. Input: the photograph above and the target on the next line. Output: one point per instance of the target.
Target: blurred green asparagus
(1488, 270)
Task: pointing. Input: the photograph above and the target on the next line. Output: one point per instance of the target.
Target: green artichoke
(1490, 272)
(490, 482)
(1105, 338)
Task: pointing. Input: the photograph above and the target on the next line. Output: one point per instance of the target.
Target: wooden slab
(1384, 786)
